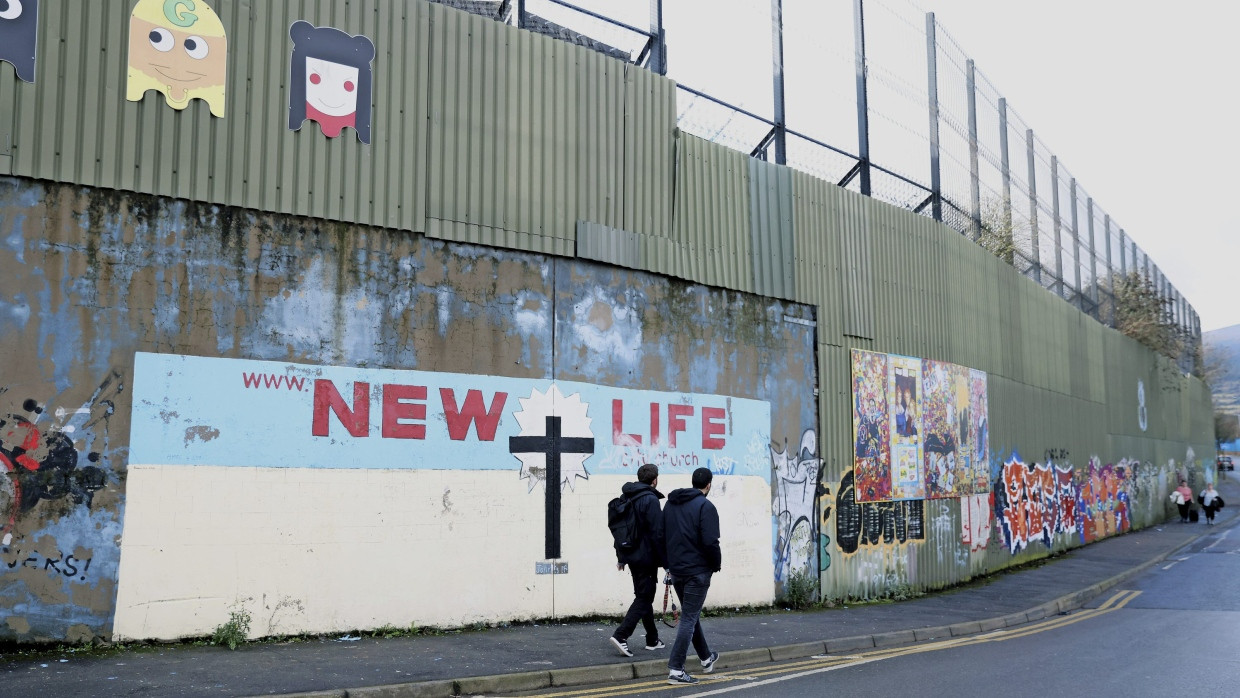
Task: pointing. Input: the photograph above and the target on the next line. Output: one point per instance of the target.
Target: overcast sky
(1138, 99)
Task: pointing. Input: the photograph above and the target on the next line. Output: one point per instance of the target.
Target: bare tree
(1226, 429)
(1003, 233)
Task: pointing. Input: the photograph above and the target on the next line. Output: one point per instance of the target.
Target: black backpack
(622, 520)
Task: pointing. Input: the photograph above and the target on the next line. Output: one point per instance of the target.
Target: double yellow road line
(830, 663)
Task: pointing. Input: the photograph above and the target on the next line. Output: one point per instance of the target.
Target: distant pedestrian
(1183, 498)
(1210, 502)
(691, 526)
(643, 559)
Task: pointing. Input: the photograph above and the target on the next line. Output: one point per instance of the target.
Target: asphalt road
(1173, 630)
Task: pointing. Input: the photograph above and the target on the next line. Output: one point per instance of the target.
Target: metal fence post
(1034, 244)
(1110, 269)
(1123, 254)
(777, 67)
(658, 52)
(975, 190)
(863, 104)
(1076, 246)
(932, 97)
(1093, 255)
(1058, 227)
(521, 14)
(1005, 173)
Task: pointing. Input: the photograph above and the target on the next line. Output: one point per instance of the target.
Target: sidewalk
(532, 657)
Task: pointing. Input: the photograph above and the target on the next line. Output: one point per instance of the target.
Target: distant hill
(1223, 350)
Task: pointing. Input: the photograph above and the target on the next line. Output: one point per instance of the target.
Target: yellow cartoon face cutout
(178, 48)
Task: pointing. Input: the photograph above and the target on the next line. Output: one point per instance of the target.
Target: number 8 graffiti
(1143, 419)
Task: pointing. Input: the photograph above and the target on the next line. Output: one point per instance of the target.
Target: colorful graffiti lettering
(874, 523)
(796, 484)
(1040, 501)
(1104, 501)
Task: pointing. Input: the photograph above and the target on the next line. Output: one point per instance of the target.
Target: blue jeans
(692, 592)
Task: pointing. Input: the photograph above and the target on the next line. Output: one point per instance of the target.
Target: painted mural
(191, 410)
(871, 427)
(59, 518)
(920, 428)
(955, 426)
(1036, 502)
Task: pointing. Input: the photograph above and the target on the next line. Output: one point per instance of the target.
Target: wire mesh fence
(877, 91)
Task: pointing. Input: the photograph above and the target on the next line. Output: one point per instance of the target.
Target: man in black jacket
(691, 528)
(644, 561)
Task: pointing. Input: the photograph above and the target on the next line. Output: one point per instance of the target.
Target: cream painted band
(318, 550)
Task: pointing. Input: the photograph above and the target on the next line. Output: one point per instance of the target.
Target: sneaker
(622, 646)
(680, 678)
(708, 664)
(658, 645)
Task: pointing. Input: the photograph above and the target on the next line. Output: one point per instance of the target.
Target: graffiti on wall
(58, 526)
(1105, 497)
(1038, 501)
(40, 458)
(975, 520)
(795, 476)
(875, 523)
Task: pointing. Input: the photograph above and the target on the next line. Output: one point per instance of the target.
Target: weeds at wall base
(234, 631)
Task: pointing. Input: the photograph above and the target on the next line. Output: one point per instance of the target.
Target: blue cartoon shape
(19, 34)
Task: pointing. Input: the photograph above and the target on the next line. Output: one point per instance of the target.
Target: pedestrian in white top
(1210, 502)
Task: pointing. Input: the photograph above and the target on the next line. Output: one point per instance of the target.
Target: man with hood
(691, 529)
(644, 560)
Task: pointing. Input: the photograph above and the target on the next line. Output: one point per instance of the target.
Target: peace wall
(343, 382)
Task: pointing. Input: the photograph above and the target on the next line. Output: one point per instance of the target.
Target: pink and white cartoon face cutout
(331, 95)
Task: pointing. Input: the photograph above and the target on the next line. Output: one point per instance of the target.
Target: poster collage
(920, 428)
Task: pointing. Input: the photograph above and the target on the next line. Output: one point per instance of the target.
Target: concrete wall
(168, 476)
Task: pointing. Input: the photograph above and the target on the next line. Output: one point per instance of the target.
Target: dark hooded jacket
(649, 551)
(691, 527)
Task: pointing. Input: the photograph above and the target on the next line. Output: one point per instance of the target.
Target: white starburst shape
(574, 422)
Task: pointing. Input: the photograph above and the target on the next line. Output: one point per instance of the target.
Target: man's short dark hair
(702, 478)
(648, 473)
